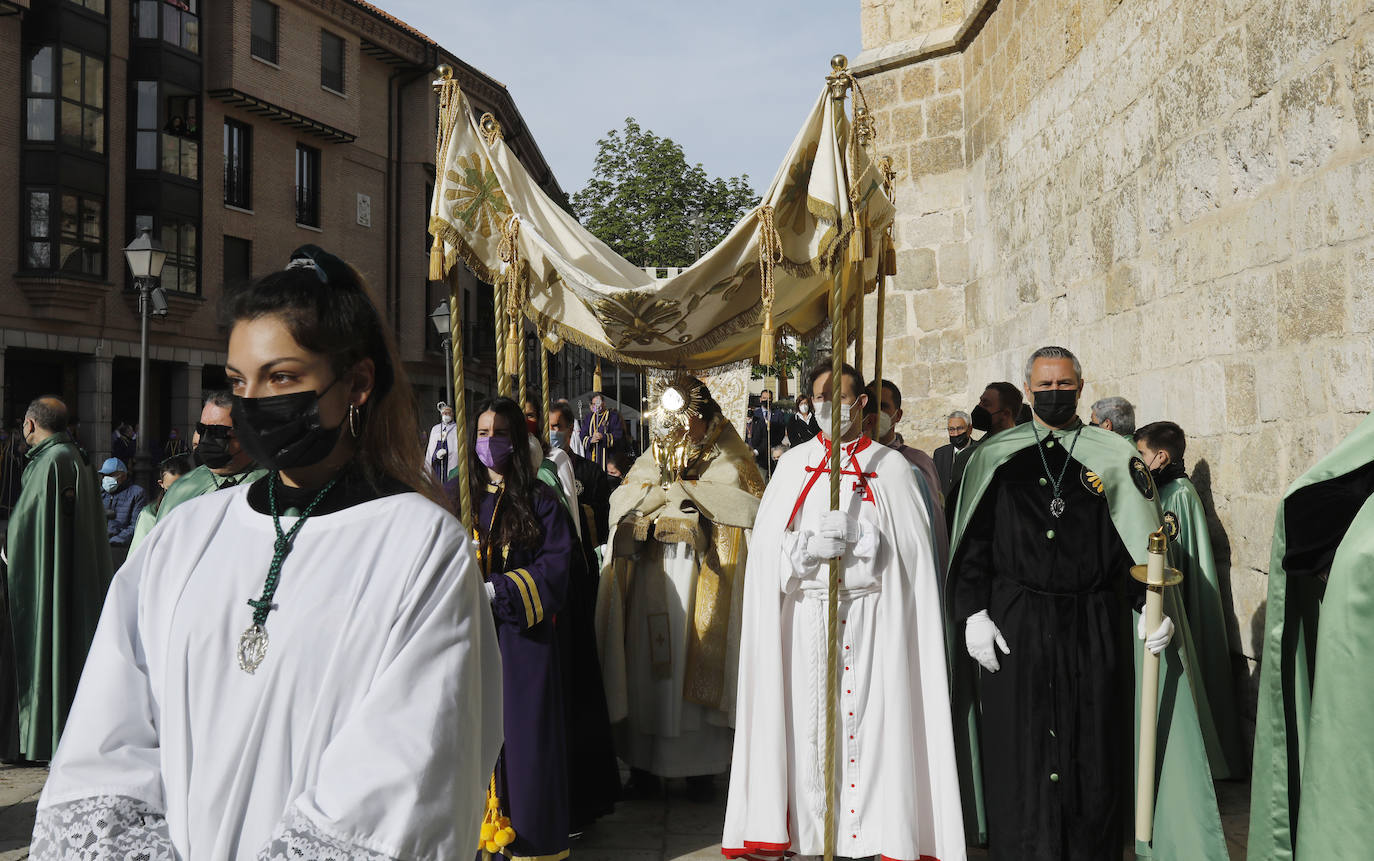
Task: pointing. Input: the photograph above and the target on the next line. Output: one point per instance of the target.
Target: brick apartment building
(236, 130)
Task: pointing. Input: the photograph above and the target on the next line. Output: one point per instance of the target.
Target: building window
(181, 136)
(264, 41)
(39, 87)
(238, 261)
(83, 101)
(176, 22)
(331, 62)
(307, 186)
(238, 164)
(171, 145)
(182, 269)
(96, 6)
(81, 231)
(38, 229)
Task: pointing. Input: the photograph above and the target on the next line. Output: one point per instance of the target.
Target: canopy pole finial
(839, 78)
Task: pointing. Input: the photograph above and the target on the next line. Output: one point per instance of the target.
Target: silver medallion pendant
(1056, 508)
(252, 648)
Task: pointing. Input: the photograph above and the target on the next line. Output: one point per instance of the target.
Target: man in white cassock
(896, 787)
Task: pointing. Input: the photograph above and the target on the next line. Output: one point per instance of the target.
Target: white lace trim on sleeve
(99, 828)
(298, 838)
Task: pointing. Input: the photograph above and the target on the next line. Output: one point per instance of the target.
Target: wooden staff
(544, 388)
(1156, 576)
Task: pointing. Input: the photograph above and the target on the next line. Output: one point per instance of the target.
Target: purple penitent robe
(531, 586)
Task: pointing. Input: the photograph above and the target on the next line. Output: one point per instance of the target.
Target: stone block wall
(1181, 191)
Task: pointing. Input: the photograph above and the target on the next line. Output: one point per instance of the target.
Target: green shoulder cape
(1191, 544)
(1187, 819)
(1315, 700)
(197, 482)
(59, 570)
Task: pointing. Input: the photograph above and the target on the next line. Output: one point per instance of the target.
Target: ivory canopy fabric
(710, 314)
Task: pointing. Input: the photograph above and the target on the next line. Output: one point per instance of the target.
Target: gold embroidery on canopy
(476, 196)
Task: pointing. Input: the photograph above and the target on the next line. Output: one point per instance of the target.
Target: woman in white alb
(304, 667)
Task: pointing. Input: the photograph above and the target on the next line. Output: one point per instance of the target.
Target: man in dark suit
(766, 432)
(950, 459)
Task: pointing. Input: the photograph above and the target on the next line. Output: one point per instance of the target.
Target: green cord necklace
(1057, 502)
(253, 643)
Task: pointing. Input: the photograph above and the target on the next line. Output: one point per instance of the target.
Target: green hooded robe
(1190, 544)
(59, 570)
(1187, 818)
(1314, 747)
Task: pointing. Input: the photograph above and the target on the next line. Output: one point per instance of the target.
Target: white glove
(491, 591)
(980, 635)
(838, 524)
(441, 453)
(821, 548)
(1157, 641)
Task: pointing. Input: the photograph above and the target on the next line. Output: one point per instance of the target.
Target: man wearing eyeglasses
(223, 463)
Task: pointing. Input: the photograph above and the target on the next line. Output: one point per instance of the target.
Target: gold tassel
(436, 260)
(596, 376)
(770, 254)
(889, 255)
(497, 832)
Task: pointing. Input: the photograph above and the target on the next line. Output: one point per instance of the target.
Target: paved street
(670, 829)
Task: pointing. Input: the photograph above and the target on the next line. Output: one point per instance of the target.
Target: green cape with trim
(1187, 819)
(1190, 544)
(1315, 699)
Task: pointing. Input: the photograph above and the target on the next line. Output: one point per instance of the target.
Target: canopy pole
(839, 82)
(524, 367)
(460, 400)
(544, 386)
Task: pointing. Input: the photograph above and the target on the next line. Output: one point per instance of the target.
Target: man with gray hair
(951, 459)
(1052, 514)
(1114, 414)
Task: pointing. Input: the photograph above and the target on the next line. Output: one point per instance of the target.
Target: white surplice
(369, 731)
(448, 434)
(897, 790)
(664, 733)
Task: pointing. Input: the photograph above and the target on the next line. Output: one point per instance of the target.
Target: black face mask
(284, 431)
(1056, 406)
(959, 440)
(213, 448)
(982, 419)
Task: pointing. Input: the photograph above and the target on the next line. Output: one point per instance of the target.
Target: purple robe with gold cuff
(531, 586)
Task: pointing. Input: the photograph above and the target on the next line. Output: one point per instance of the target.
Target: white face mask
(824, 414)
(884, 425)
(804, 410)
(446, 418)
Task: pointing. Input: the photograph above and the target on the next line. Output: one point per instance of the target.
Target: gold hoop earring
(353, 420)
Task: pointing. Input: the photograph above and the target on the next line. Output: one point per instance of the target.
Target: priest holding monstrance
(1052, 516)
(668, 615)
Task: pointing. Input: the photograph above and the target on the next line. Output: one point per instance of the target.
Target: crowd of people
(305, 653)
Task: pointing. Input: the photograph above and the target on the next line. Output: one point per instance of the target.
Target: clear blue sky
(729, 81)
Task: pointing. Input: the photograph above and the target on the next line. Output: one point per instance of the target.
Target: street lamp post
(440, 317)
(145, 256)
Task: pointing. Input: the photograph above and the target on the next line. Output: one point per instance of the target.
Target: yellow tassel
(856, 246)
(889, 256)
(596, 377)
(766, 342)
(514, 349)
(436, 260)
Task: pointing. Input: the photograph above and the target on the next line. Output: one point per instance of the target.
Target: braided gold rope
(449, 114)
(544, 381)
(460, 400)
(770, 254)
(509, 357)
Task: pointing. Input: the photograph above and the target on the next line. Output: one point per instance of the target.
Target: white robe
(369, 731)
(897, 788)
(664, 734)
(449, 433)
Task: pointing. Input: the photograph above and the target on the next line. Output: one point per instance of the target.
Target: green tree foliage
(643, 198)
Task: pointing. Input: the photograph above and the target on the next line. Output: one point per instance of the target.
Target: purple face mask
(494, 451)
